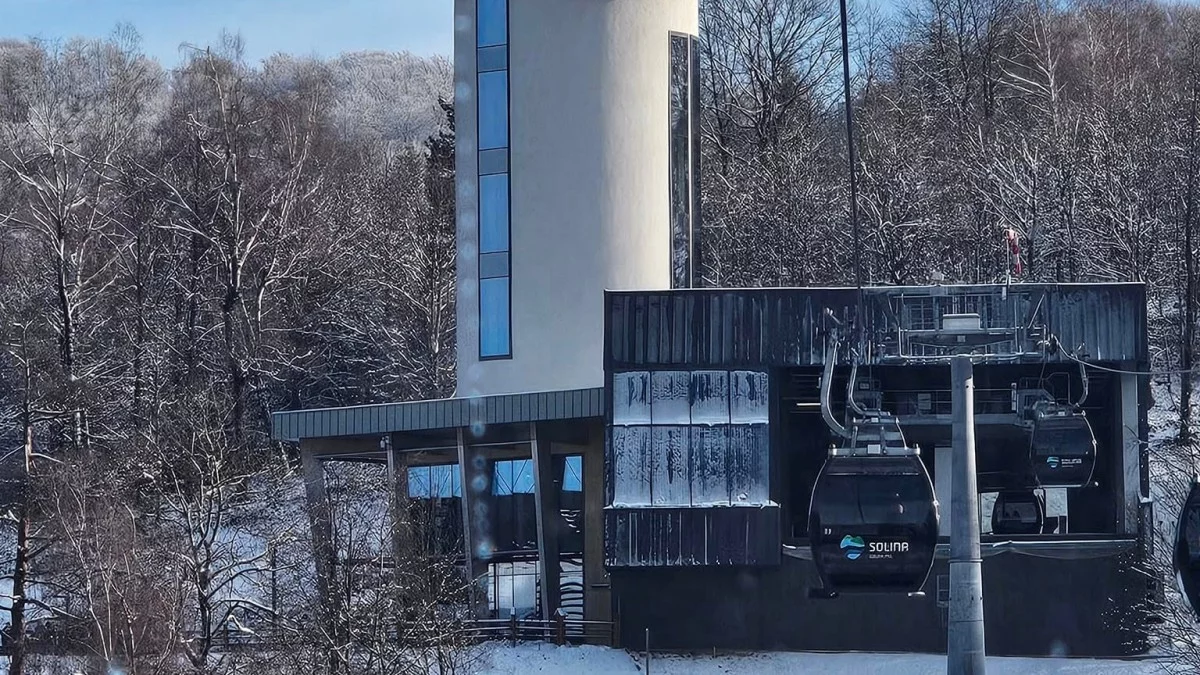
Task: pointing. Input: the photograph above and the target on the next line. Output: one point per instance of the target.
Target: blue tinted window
(513, 477)
(434, 481)
(493, 317)
(493, 110)
(493, 213)
(444, 481)
(573, 474)
(418, 481)
(491, 19)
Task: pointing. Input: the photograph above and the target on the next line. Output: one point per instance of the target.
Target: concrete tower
(577, 159)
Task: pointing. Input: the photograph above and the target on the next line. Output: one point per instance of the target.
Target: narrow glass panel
(493, 110)
(494, 334)
(502, 482)
(522, 476)
(493, 213)
(680, 157)
(573, 474)
(491, 19)
(695, 265)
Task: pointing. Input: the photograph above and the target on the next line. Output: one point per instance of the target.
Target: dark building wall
(684, 536)
(1033, 606)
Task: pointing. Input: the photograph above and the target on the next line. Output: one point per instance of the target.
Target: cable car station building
(625, 447)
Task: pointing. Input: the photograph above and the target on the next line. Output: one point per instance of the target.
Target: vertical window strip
(696, 230)
(494, 227)
(680, 173)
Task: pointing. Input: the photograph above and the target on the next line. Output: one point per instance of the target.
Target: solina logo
(1052, 462)
(853, 546)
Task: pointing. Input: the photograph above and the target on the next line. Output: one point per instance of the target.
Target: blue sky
(325, 27)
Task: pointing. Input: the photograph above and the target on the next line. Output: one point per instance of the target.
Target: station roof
(385, 418)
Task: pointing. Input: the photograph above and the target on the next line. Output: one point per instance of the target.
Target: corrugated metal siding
(692, 537)
(1109, 321)
(786, 327)
(443, 414)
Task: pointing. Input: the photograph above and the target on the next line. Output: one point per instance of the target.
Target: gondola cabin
(873, 524)
(1062, 447)
(1187, 549)
(1018, 512)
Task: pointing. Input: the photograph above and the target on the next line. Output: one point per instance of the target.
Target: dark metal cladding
(692, 536)
(786, 326)
(1187, 549)
(767, 608)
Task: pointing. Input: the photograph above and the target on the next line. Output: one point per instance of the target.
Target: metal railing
(560, 630)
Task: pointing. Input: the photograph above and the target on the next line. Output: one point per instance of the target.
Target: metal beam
(468, 500)
(545, 496)
(398, 501)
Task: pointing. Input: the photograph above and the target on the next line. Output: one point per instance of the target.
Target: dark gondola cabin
(1062, 449)
(1187, 549)
(873, 524)
(1018, 512)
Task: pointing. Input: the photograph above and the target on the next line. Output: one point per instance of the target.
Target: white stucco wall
(589, 180)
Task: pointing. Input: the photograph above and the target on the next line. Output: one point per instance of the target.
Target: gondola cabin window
(882, 501)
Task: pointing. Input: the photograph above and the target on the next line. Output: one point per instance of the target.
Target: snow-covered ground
(530, 658)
